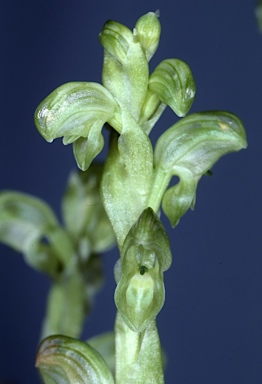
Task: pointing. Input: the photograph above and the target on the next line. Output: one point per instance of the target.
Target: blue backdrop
(211, 324)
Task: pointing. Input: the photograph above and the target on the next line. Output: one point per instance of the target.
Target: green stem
(161, 181)
(127, 348)
(138, 355)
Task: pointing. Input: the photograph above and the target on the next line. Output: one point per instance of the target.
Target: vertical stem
(138, 355)
(127, 349)
(161, 181)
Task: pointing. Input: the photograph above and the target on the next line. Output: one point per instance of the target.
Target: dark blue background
(211, 324)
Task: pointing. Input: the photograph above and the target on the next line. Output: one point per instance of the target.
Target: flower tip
(148, 30)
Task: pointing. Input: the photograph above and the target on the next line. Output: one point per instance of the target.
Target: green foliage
(140, 293)
(83, 213)
(138, 355)
(189, 149)
(63, 360)
(148, 30)
(105, 345)
(29, 226)
(77, 112)
(133, 183)
(69, 255)
(172, 81)
(122, 76)
(131, 179)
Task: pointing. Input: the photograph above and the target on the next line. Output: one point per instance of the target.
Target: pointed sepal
(127, 178)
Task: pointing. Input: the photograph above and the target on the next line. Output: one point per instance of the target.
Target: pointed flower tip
(150, 232)
(116, 38)
(148, 30)
(230, 124)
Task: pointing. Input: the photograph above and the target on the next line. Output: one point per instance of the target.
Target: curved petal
(189, 149)
(179, 198)
(63, 360)
(173, 82)
(72, 109)
(125, 69)
(197, 141)
(28, 225)
(78, 110)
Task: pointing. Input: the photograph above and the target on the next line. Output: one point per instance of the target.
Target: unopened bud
(148, 30)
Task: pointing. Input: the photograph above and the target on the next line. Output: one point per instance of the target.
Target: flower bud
(148, 30)
(125, 69)
(140, 292)
(148, 233)
(116, 39)
(173, 82)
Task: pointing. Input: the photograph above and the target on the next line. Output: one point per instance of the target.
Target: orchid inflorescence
(134, 184)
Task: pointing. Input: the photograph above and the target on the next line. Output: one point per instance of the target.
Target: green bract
(125, 70)
(62, 360)
(122, 177)
(149, 233)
